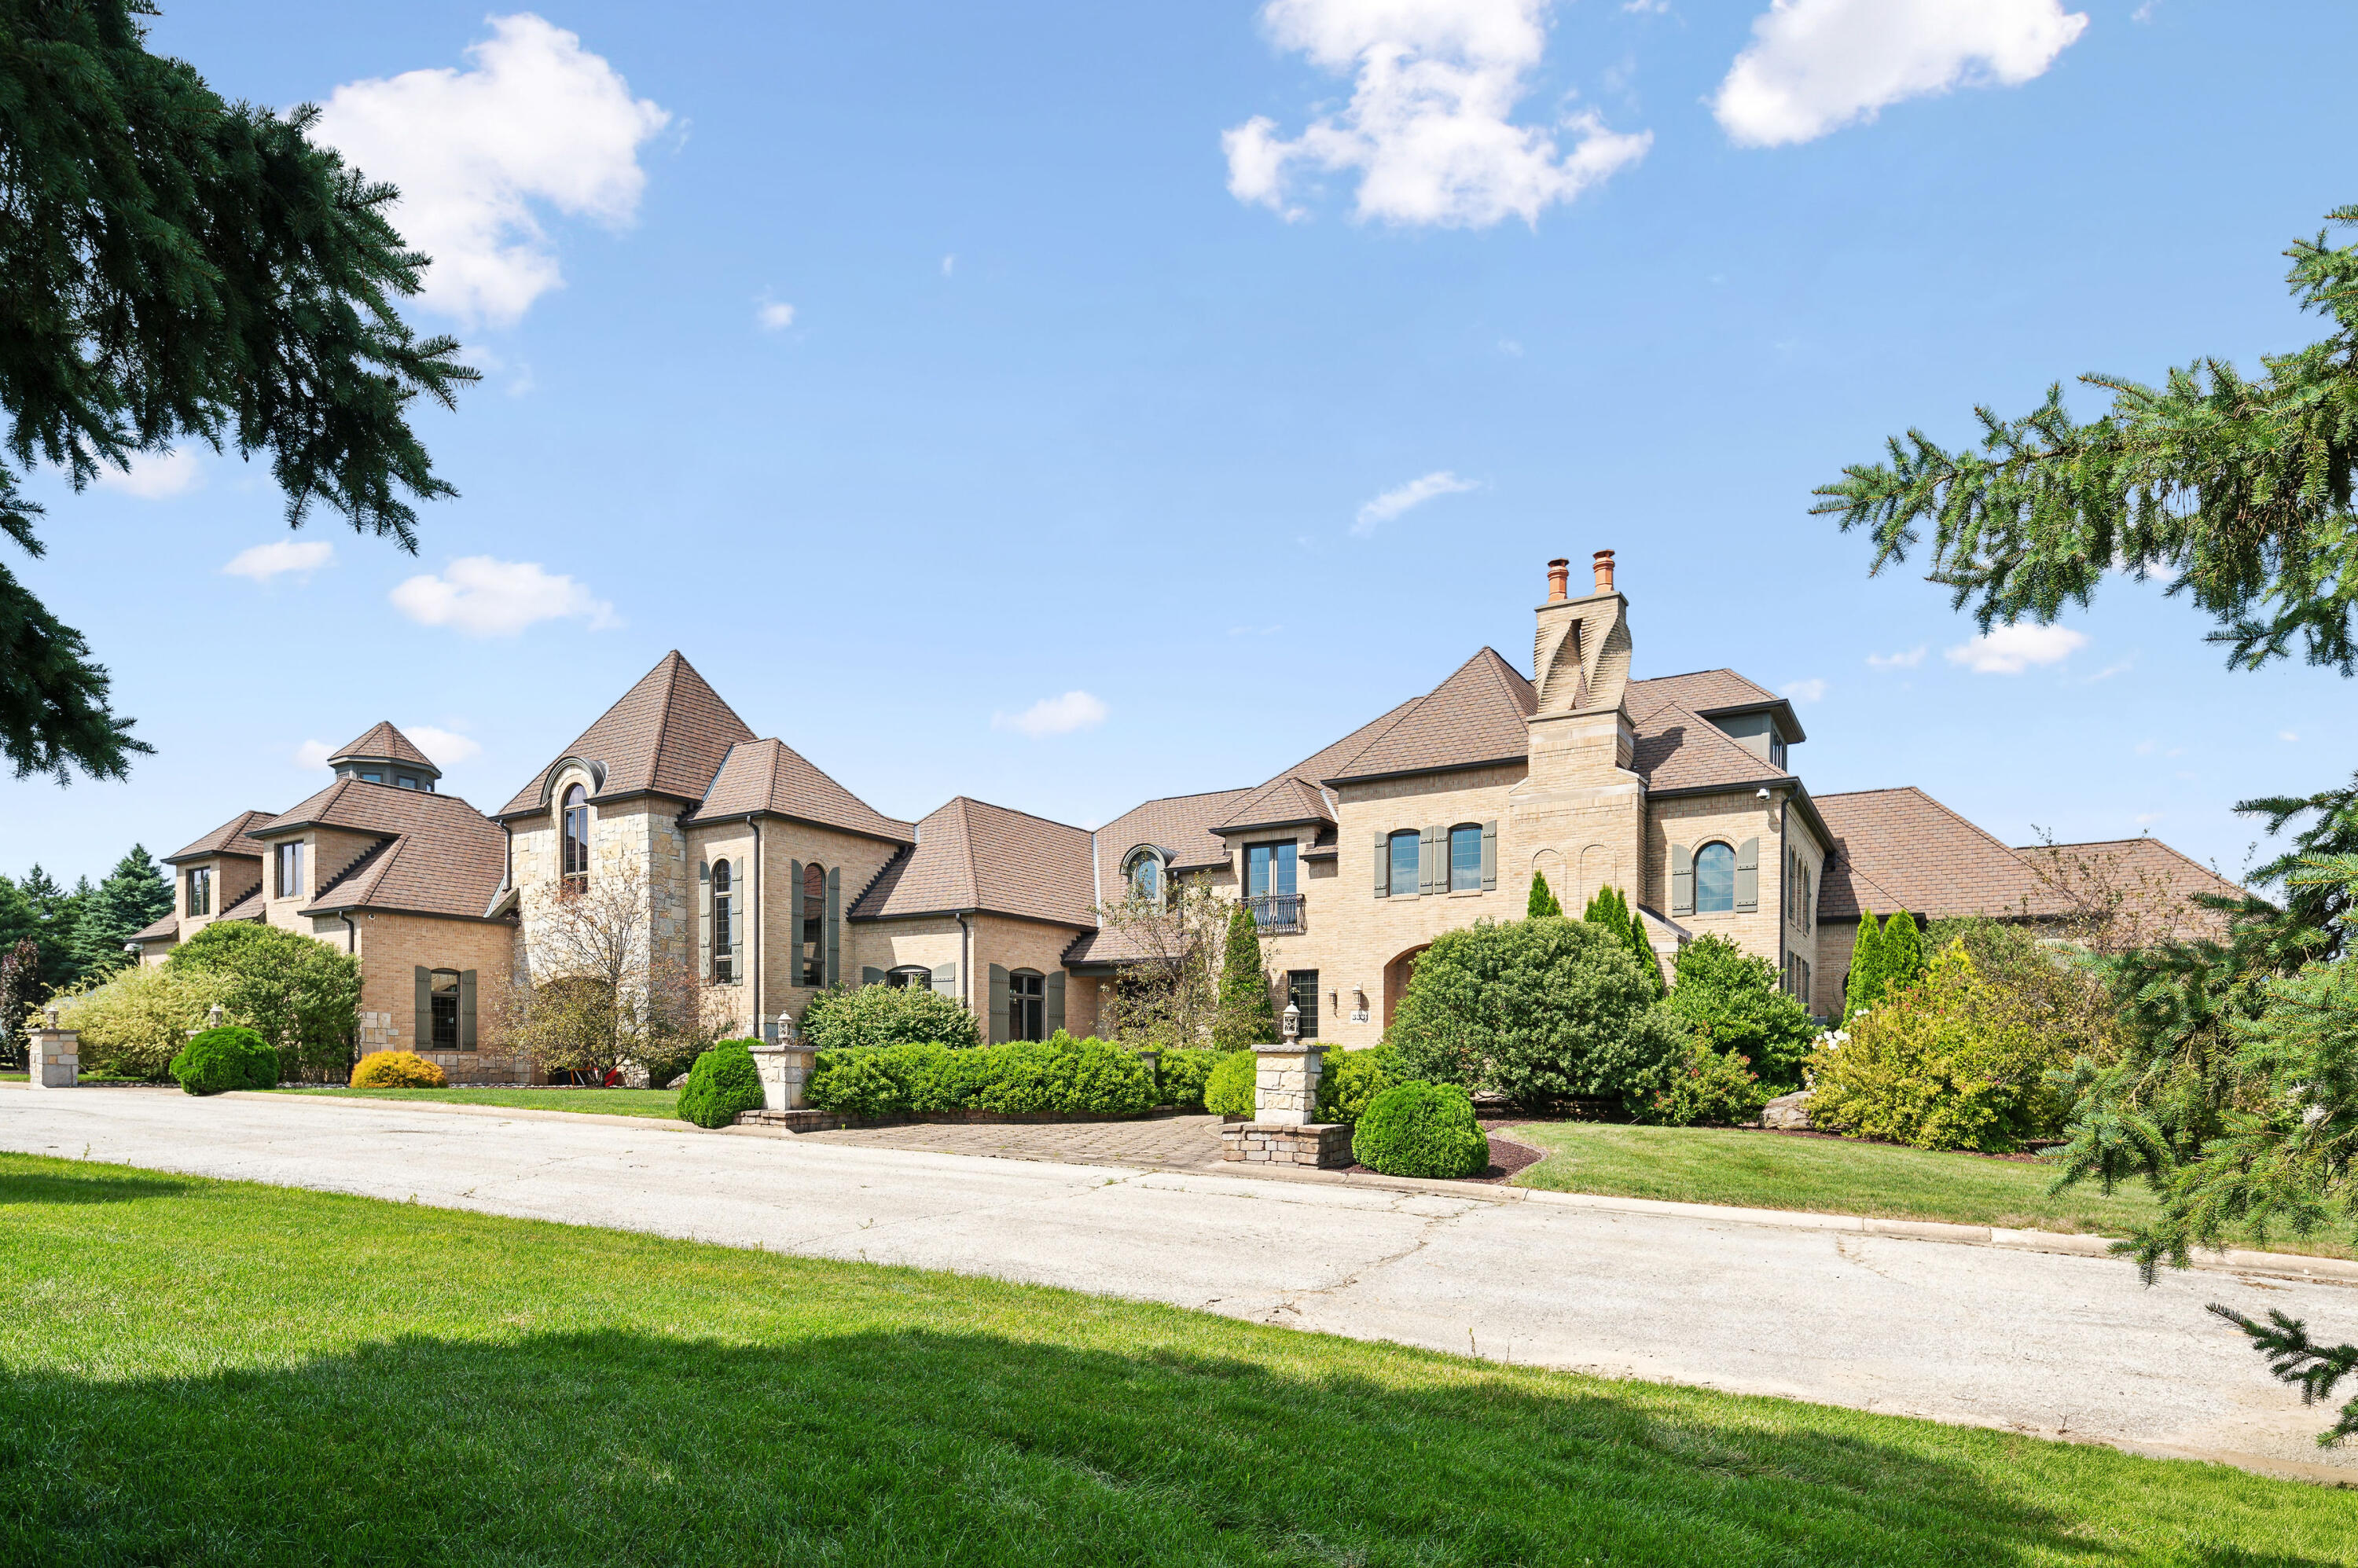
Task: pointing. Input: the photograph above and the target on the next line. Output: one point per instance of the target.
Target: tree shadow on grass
(925, 1446)
(106, 1185)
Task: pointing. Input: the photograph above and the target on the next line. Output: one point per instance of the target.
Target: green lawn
(202, 1372)
(1830, 1175)
(602, 1102)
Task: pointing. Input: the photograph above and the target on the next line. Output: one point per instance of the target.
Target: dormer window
(371, 775)
(199, 880)
(290, 858)
(1776, 750)
(404, 781)
(1145, 876)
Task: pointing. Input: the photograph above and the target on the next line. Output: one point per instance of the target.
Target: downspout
(352, 933)
(1784, 895)
(754, 925)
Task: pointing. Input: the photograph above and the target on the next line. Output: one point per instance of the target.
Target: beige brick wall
(393, 948)
(1801, 929)
(782, 844)
(235, 876)
(1013, 943)
(1694, 820)
(326, 852)
(886, 944)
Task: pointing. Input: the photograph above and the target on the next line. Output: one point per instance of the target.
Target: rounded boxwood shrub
(230, 1057)
(1229, 1089)
(722, 1083)
(1421, 1129)
(398, 1070)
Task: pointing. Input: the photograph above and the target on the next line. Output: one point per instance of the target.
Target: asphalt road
(2052, 1345)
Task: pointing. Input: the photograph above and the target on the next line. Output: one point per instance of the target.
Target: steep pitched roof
(772, 776)
(436, 854)
(1677, 749)
(229, 838)
(666, 735)
(1707, 692)
(1285, 799)
(972, 855)
(1899, 849)
(1478, 715)
(384, 741)
(1180, 825)
(167, 928)
(2149, 857)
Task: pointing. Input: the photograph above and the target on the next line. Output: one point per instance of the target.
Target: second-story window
(200, 890)
(1268, 869)
(576, 846)
(1404, 847)
(1715, 880)
(1466, 858)
(1146, 877)
(290, 870)
(724, 926)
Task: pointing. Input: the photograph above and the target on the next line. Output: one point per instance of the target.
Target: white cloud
(1810, 690)
(1906, 659)
(448, 748)
(1415, 492)
(949, 264)
(1426, 128)
(488, 598)
(537, 121)
(2287, 735)
(2010, 650)
(1056, 716)
(313, 754)
(155, 476)
(2147, 818)
(1646, 7)
(264, 562)
(1511, 348)
(1817, 65)
(774, 316)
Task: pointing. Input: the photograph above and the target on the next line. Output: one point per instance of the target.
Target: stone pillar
(52, 1054)
(785, 1064)
(1284, 1129)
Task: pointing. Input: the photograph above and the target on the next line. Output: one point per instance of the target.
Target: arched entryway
(1396, 974)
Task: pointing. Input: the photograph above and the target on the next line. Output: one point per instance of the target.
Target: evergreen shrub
(134, 1024)
(1542, 900)
(1229, 1091)
(230, 1057)
(722, 1083)
(1244, 1015)
(398, 1070)
(888, 1015)
(1180, 1073)
(1421, 1129)
(1717, 1087)
(1060, 1076)
(1352, 1079)
(1732, 1001)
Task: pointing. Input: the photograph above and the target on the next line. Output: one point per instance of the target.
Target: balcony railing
(1278, 914)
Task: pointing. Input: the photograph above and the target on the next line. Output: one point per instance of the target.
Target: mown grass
(600, 1102)
(202, 1372)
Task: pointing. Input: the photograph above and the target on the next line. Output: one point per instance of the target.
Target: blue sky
(913, 368)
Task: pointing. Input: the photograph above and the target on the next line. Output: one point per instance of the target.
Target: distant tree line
(52, 937)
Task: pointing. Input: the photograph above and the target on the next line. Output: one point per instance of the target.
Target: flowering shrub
(1716, 1086)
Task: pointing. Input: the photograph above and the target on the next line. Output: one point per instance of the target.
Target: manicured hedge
(398, 1070)
(1229, 1091)
(230, 1057)
(1421, 1129)
(722, 1083)
(1350, 1080)
(1060, 1076)
(1180, 1074)
(887, 1015)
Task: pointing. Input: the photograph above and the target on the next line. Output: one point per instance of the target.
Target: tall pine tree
(1542, 899)
(134, 894)
(1246, 1016)
(1866, 981)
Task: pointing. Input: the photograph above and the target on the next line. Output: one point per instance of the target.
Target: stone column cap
(1289, 1047)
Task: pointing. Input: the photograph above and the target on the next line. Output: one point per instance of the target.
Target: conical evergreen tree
(1246, 1015)
(1903, 952)
(1866, 981)
(133, 895)
(1644, 949)
(1542, 899)
(1610, 908)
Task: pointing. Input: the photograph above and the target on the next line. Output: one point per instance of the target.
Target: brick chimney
(1560, 580)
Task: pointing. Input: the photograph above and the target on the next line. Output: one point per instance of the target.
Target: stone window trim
(573, 825)
(720, 921)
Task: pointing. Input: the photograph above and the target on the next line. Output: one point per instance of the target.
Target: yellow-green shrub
(133, 1025)
(1945, 1063)
(398, 1070)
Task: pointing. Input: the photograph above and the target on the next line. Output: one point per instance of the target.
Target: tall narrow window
(1715, 880)
(200, 890)
(1466, 858)
(1302, 991)
(575, 847)
(290, 870)
(724, 926)
(1404, 847)
(443, 994)
(1146, 877)
(1027, 1005)
(813, 935)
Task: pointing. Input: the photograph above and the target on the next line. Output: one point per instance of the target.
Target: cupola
(386, 756)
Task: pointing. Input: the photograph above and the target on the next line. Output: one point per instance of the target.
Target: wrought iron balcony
(1278, 914)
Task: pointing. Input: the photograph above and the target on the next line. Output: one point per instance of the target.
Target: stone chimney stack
(1580, 657)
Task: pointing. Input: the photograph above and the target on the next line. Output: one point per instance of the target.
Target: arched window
(1403, 878)
(1145, 876)
(1027, 1005)
(910, 977)
(576, 847)
(1466, 858)
(813, 935)
(1715, 880)
(724, 926)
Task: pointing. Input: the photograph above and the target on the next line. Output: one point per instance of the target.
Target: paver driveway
(2033, 1342)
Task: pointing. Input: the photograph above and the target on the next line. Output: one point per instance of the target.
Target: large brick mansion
(774, 881)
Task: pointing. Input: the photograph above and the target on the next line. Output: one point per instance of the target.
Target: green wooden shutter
(871, 977)
(994, 1028)
(466, 1009)
(1431, 861)
(737, 922)
(1747, 876)
(1489, 856)
(794, 922)
(704, 921)
(1053, 1006)
(834, 931)
(946, 978)
(423, 1035)
(1681, 880)
(1383, 864)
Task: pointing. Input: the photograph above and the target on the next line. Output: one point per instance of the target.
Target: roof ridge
(1722, 738)
(1019, 811)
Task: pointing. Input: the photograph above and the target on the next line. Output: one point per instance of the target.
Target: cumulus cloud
(537, 121)
(1817, 65)
(1905, 659)
(2010, 650)
(487, 598)
(446, 747)
(313, 754)
(1414, 493)
(263, 562)
(1426, 129)
(2288, 735)
(155, 476)
(1810, 690)
(1054, 715)
(775, 315)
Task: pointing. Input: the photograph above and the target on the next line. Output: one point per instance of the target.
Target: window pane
(1404, 847)
(1285, 875)
(1466, 859)
(1715, 876)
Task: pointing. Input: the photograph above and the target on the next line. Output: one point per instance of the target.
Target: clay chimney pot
(1603, 563)
(1558, 580)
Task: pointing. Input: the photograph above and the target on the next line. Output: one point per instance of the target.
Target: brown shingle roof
(1478, 715)
(170, 927)
(1899, 849)
(229, 838)
(1707, 692)
(668, 735)
(384, 741)
(772, 776)
(1180, 825)
(1285, 799)
(972, 855)
(1679, 750)
(2151, 858)
(439, 855)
